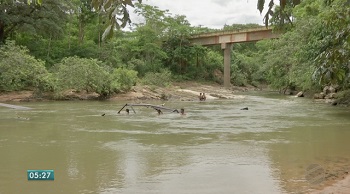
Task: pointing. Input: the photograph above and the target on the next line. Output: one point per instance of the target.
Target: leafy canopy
(115, 12)
(19, 70)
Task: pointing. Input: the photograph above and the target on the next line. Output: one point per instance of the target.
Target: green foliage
(313, 51)
(343, 97)
(82, 74)
(240, 26)
(282, 13)
(46, 19)
(19, 70)
(281, 65)
(34, 1)
(162, 78)
(123, 79)
(149, 48)
(207, 62)
(333, 60)
(115, 12)
(244, 65)
(162, 41)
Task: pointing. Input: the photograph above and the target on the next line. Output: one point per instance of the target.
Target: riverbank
(183, 91)
(337, 187)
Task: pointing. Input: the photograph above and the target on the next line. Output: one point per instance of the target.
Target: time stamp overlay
(40, 175)
(314, 174)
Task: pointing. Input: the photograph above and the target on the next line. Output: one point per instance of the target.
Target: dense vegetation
(53, 46)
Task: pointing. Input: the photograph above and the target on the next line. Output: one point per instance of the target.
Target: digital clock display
(40, 175)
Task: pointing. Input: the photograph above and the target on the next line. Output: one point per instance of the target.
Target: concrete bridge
(227, 38)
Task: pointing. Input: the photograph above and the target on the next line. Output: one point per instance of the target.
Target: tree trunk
(49, 46)
(81, 32)
(99, 31)
(2, 32)
(285, 89)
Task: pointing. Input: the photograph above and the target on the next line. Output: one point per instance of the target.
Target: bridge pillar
(227, 63)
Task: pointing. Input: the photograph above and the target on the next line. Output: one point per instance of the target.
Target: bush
(19, 70)
(238, 79)
(161, 79)
(82, 74)
(123, 79)
(343, 97)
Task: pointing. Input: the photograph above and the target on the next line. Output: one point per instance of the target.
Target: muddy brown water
(215, 148)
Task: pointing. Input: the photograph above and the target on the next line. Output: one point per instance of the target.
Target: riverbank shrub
(123, 79)
(82, 74)
(343, 97)
(20, 71)
(162, 78)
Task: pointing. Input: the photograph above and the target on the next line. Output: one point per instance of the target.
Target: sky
(211, 13)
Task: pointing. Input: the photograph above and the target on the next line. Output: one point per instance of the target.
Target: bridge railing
(224, 32)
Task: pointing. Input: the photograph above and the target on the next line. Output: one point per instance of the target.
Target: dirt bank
(184, 91)
(16, 96)
(335, 187)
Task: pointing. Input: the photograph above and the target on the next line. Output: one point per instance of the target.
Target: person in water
(159, 111)
(127, 111)
(204, 97)
(182, 111)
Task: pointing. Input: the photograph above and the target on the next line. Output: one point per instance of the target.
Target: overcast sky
(211, 13)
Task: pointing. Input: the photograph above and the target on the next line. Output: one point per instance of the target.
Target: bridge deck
(233, 36)
(226, 32)
(227, 38)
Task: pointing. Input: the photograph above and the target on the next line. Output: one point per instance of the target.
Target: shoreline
(178, 91)
(338, 187)
(183, 91)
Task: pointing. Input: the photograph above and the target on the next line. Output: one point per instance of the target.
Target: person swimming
(182, 111)
(159, 111)
(127, 111)
(202, 97)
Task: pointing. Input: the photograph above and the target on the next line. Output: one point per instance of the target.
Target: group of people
(202, 97)
(182, 111)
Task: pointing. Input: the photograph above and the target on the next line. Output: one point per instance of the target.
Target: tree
(45, 20)
(19, 70)
(315, 52)
(85, 15)
(177, 44)
(150, 36)
(82, 74)
(115, 14)
(123, 79)
(280, 13)
(240, 26)
(243, 65)
(333, 61)
(287, 62)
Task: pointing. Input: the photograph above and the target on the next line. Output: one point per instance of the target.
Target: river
(214, 148)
